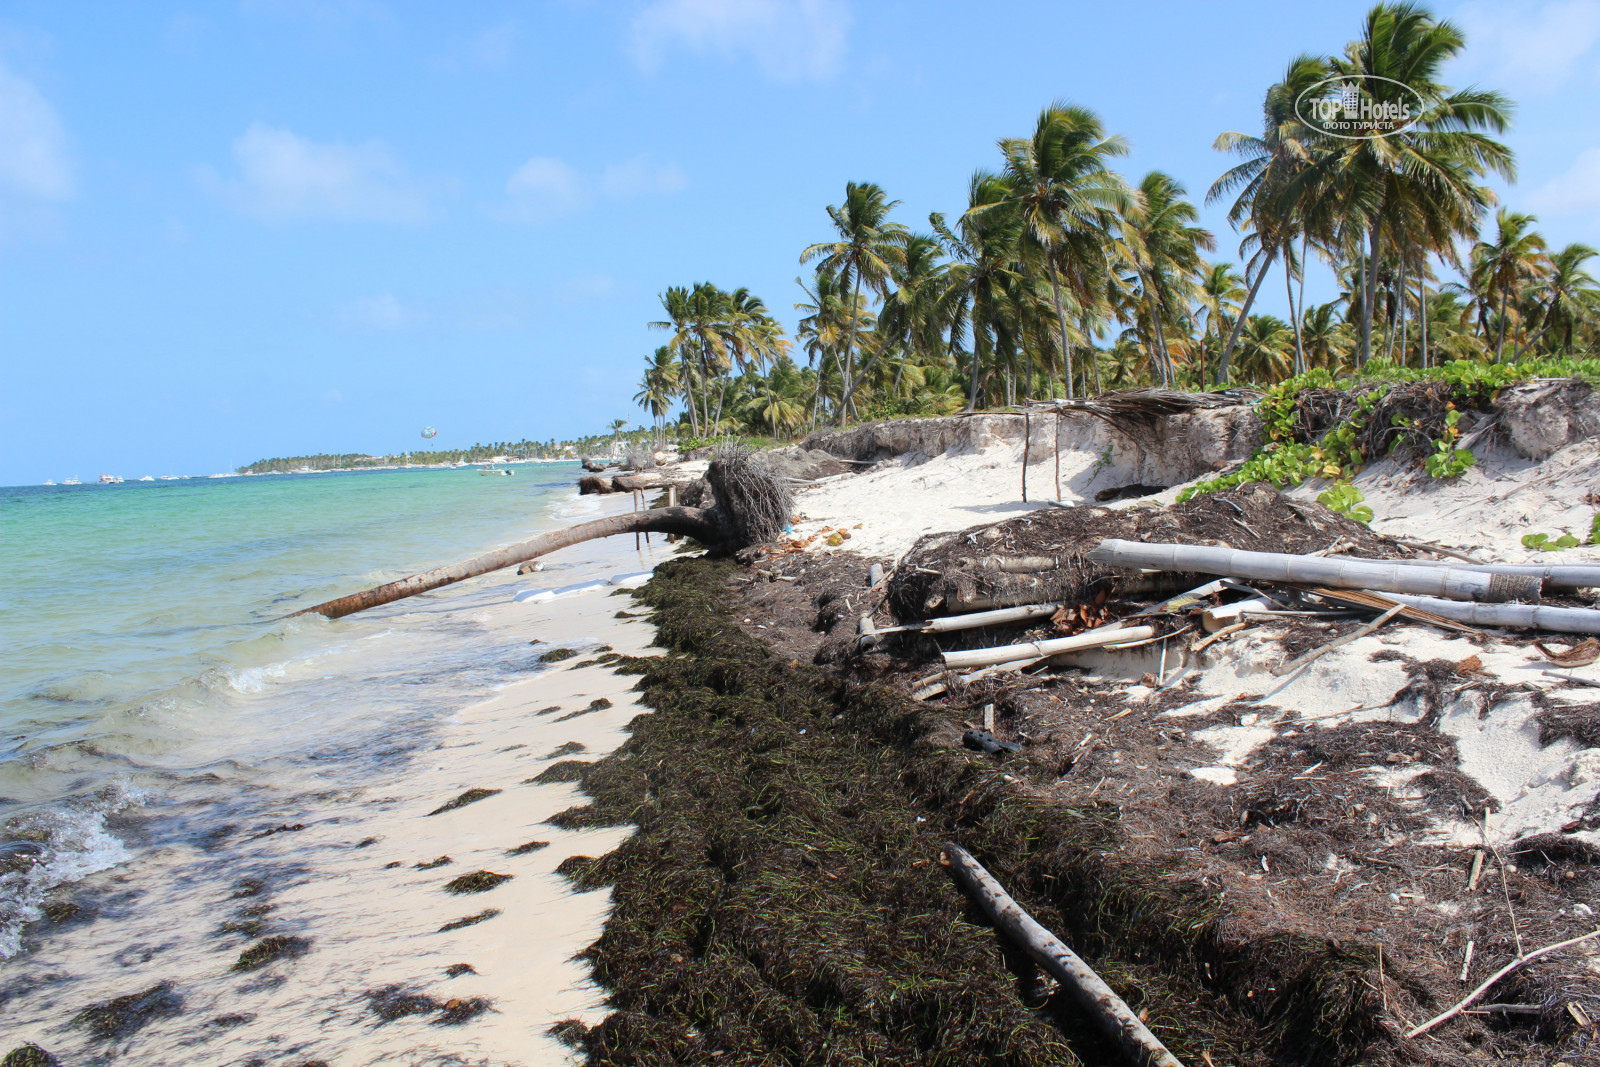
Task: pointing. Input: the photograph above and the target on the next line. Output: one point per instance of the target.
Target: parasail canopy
(429, 433)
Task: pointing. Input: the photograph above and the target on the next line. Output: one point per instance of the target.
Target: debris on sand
(114, 1019)
(276, 947)
(476, 882)
(471, 796)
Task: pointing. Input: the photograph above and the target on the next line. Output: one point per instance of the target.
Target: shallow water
(163, 728)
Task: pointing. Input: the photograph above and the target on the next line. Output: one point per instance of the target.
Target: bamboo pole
(1523, 616)
(1109, 1011)
(690, 522)
(1455, 583)
(1115, 634)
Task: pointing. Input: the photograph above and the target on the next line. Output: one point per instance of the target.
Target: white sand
(1487, 510)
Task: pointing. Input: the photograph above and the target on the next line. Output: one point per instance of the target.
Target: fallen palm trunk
(1520, 616)
(983, 657)
(1108, 1010)
(1454, 583)
(1565, 575)
(690, 522)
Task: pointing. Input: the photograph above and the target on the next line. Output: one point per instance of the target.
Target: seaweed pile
(782, 900)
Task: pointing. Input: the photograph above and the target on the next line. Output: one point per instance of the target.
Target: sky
(254, 228)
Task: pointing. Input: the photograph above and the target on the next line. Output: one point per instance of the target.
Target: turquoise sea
(152, 689)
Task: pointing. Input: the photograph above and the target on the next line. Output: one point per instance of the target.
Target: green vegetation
(1061, 277)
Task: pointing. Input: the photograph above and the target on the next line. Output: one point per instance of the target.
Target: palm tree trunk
(847, 389)
(1500, 342)
(1288, 289)
(1422, 314)
(1369, 292)
(1238, 324)
(1299, 313)
(689, 522)
(1061, 321)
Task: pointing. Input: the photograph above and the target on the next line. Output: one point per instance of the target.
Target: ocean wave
(51, 847)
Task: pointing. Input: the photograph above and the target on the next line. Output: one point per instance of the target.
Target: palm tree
(1420, 182)
(1162, 250)
(1503, 267)
(981, 276)
(869, 245)
(658, 387)
(1066, 199)
(1271, 205)
(1266, 348)
(1218, 300)
(1568, 295)
(1325, 339)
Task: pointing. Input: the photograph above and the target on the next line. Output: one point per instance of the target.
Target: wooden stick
(1201, 646)
(1108, 1010)
(1027, 423)
(1466, 962)
(1058, 456)
(1321, 650)
(1568, 676)
(1516, 964)
(1477, 872)
(1438, 550)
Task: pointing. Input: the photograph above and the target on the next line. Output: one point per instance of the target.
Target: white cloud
(383, 312)
(1531, 47)
(544, 188)
(34, 161)
(642, 175)
(283, 176)
(789, 40)
(1575, 190)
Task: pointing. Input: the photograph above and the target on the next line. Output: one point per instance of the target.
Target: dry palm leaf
(1581, 654)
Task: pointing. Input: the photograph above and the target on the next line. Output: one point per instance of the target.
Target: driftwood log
(1108, 1010)
(1453, 583)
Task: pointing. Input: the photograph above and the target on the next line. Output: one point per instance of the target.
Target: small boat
(70, 481)
(167, 478)
(496, 470)
(110, 479)
(48, 482)
(147, 478)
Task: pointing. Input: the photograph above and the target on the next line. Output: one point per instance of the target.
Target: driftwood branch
(1109, 1011)
(1322, 650)
(1521, 961)
(689, 522)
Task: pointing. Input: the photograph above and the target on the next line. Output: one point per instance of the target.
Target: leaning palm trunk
(752, 506)
(1238, 324)
(688, 522)
(1454, 583)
